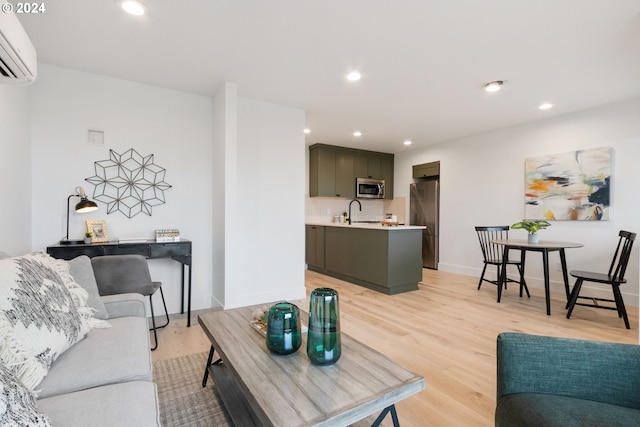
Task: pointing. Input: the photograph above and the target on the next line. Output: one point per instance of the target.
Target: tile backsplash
(323, 209)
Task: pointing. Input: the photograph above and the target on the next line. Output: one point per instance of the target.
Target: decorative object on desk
(171, 235)
(283, 328)
(98, 229)
(390, 220)
(84, 205)
(323, 341)
(569, 186)
(532, 226)
(87, 238)
(259, 322)
(129, 183)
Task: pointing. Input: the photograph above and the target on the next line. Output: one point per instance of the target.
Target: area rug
(185, 403)
(183, 400)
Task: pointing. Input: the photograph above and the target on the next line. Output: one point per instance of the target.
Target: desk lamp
(84, 205)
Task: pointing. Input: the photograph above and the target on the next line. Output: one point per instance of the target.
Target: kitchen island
(385, 259)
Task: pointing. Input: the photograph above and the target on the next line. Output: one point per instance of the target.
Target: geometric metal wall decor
(129, 183)
(569, 186)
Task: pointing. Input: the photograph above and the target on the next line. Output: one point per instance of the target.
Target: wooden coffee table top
(289, 390)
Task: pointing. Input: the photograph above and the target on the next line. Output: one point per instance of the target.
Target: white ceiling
(424, 62)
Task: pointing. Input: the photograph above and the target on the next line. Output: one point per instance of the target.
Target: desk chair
(120, 274)
(492, 255)
(614, 277)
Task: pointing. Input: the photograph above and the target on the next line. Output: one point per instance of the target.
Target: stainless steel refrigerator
(424, 210)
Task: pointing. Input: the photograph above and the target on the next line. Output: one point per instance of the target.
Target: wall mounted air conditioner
(18, 59)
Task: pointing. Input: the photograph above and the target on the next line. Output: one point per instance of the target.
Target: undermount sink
(366, 222)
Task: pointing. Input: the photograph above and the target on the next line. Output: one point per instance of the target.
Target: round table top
(542, 244)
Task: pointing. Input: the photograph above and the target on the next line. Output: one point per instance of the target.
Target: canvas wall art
(569, 186)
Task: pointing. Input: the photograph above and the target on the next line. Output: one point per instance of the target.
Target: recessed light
(357, 133)
(133, 7)
(307, 131)
(493, 86)
(354, 76)
(545, 106)
(407, 142)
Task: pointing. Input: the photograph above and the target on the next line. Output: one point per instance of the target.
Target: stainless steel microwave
(367, 188)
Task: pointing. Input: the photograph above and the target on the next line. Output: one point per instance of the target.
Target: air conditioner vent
(18, 59)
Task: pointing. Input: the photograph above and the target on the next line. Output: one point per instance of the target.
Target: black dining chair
(614, 277)
(493, 253)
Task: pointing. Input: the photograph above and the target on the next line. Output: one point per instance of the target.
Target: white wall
(236, 167)
(15, 170)
(482, 183)
(175, 127)
(264, 227)
(224, 140)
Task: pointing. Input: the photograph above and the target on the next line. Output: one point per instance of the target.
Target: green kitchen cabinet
(368, 166)
(333, 170)
(314, 253)
(426, 170)
(331, 173)
(385, 260)
(386, 173)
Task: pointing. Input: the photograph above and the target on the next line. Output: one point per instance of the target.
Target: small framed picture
(98, 230)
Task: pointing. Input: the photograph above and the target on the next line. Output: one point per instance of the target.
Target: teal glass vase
(323, 339)
(283, 328)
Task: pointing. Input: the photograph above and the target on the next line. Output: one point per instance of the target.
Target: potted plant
(87, 237)
(532, 226)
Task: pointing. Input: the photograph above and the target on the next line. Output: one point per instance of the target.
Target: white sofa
(105, 379)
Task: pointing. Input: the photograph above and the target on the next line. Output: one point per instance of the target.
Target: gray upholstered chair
(549, 381)
(121, 274)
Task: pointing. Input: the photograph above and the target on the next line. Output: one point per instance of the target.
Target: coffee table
(265, 389)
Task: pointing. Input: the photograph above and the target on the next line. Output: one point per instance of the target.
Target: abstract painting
(569, 186)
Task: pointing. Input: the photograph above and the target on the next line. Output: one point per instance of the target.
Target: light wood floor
(446, 331)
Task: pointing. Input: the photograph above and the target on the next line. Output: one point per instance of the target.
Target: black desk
(178, 251)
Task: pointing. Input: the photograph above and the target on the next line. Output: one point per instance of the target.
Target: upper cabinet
(426, 170)
(333, 170)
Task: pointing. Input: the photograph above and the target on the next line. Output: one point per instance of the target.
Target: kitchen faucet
(359, 204)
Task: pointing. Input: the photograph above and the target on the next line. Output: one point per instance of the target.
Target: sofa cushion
(535, 409)
(17, 403)
(41, 314)
(105, 356)
(118, 405)
(82, 272)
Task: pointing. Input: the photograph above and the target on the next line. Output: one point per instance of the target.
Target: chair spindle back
(621, 256)
(491, 251)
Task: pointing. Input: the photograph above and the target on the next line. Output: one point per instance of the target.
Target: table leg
(523, 283)
(503, 271)
(545, 267)
(563, 261)
(209, 363)
(182, 291)
(189, 298)
(394, 416)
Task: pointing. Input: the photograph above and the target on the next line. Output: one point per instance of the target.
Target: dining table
(543, 246)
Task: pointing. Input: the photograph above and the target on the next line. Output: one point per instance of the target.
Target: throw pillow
(39, 319)
(17, 403)
(82, 272)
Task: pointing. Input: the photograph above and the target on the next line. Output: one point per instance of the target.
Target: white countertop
(369, 226)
